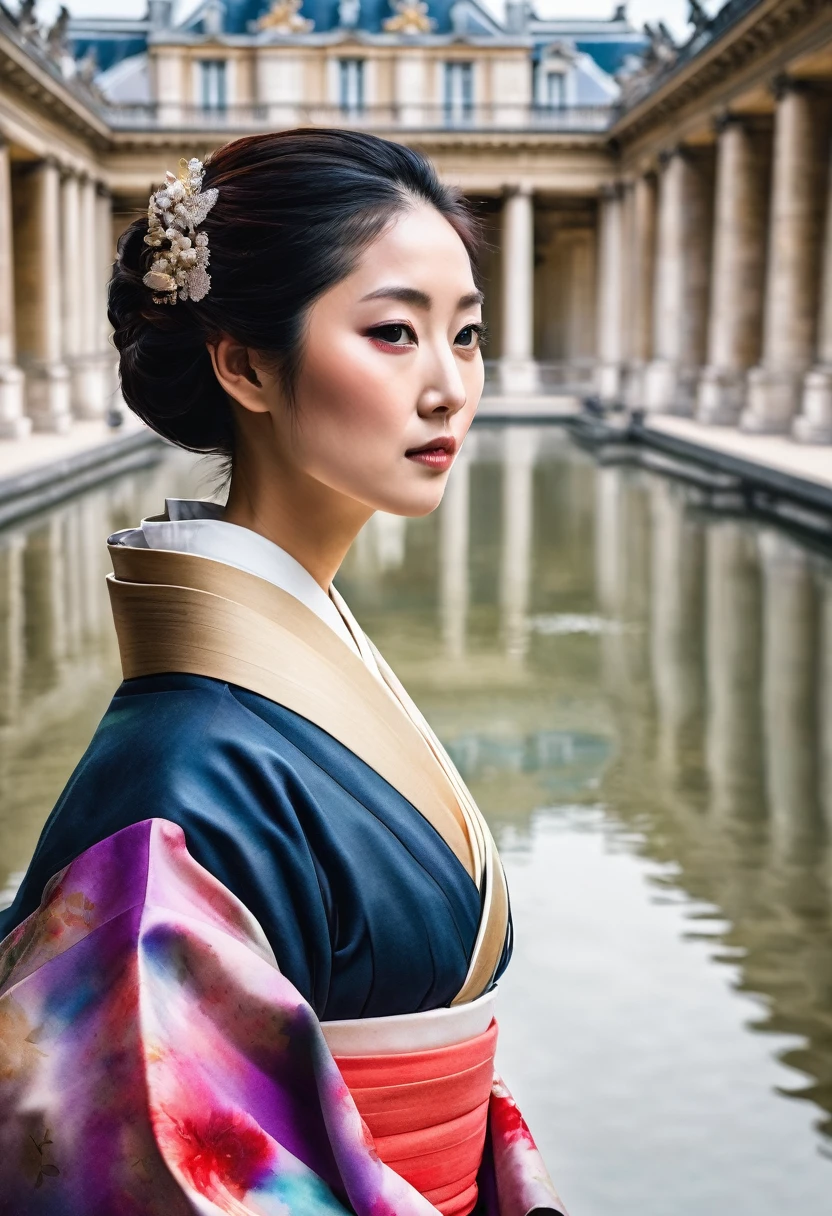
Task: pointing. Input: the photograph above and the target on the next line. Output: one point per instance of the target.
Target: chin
(420, 501)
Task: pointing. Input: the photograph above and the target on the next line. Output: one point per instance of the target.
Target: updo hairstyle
(294, 213)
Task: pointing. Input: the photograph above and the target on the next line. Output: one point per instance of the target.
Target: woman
(251, 966)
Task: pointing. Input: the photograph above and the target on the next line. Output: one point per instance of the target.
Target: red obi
(427, 1112)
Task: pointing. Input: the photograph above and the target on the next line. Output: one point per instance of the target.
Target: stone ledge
(770, 462)
(37, 472)
(555, 407)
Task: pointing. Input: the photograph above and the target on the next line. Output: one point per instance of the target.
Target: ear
(235, 368)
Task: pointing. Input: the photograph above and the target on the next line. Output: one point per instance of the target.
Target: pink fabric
(427, 1112)
(154, 1062)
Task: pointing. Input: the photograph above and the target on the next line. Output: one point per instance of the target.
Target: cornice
(766, 28)
(23, 73)
(155, 140)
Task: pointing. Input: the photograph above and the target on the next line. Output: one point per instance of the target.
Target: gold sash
(179, 612)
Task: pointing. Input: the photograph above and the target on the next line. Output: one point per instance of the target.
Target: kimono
(251, 967)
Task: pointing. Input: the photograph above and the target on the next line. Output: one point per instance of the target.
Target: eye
(471, 337)
(394, 335)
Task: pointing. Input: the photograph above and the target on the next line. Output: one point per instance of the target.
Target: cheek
(350, 394)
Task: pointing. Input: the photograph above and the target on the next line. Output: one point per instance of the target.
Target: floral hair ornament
(180, 260)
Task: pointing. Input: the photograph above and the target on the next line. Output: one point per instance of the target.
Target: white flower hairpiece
(174, 213)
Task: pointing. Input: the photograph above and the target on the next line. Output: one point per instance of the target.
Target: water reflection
(600, 655)
(726, 769)
(690, 693)
(58, 656)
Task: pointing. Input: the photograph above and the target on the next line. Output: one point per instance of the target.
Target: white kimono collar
(196, 526)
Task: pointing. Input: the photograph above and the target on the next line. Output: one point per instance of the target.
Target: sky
(673, 12)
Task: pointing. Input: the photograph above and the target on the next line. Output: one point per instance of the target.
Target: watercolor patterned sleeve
(154, 1061)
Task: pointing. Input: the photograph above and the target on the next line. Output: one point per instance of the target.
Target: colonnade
(539, 277)
(715, 275)
(55, 255)
(737, 620)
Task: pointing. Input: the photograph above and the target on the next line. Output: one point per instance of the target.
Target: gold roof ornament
(284, 18)
(411, 17)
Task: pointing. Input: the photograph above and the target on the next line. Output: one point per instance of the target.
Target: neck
(313, 523)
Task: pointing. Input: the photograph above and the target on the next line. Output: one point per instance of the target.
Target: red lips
(445, 443)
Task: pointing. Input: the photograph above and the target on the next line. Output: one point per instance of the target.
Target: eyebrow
(419, 299)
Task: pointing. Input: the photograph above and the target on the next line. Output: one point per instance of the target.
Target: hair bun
(167, 378)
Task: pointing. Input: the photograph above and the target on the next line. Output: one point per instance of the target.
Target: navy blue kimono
(367, 909)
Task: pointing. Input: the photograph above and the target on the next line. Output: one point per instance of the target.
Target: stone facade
(735, 127)
(657, 216)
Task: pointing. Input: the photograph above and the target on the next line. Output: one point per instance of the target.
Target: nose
(444, 391)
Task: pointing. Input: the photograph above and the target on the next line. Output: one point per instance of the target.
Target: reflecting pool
(640, 695)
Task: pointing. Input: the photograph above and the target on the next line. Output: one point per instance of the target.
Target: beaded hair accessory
(180, 260)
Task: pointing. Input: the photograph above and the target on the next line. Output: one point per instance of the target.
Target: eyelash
(477, 327)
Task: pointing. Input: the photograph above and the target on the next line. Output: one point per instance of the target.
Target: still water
(640, 696)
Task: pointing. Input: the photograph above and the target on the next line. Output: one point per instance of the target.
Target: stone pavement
(771, 454)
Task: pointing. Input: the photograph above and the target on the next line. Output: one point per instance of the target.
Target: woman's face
(392, 370)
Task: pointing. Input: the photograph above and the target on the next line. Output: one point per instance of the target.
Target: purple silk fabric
(154, 1061)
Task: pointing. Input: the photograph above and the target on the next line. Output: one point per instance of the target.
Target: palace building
(656, 213)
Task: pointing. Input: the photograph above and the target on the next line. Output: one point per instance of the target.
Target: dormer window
(555, 91)
(555, 76)
(351, 85)
(213, 93)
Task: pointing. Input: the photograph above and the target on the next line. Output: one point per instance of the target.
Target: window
(212, 79)
(459, 92)
(555, 97)
(351, 85)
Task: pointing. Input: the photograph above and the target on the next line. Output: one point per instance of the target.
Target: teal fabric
(368, 911)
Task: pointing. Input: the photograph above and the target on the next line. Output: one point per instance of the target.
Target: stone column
(793, 274)
(75, 281)
(579, 312)
(739, 254)
(519, 450)
(610, 294)
(814, 424)
(518, 370)
(640, 280)
(107, 254)
(38, 266)
(682, 281)
(90, 369)
(454, 535)
(13, 422)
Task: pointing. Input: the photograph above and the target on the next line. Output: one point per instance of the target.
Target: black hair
(295, 210)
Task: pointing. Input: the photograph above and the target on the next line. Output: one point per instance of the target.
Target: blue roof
(608, 48)
(240, 14)
(611, 55)
(108, 51)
